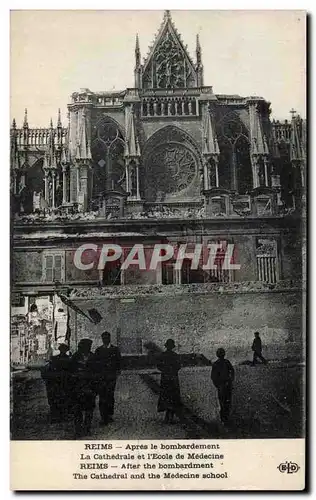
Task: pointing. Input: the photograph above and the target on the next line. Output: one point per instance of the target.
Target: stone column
(234, 183)
(255, 174)
(78, 181)
(206, 175)
(84, 185)
(46, 185)
(302, 171)
(14, 177)
(137, 181)
(128, 182)
(53, 188)
(216, 172)
(64, 184)
(266, 178)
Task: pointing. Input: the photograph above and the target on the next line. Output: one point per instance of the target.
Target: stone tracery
(107, 154)
(174, 165)
(171, 163)
(169, 66)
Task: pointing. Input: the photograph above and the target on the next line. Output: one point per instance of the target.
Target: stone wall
(199, 323)
(27, 266)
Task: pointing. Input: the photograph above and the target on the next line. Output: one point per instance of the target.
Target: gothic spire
(138, 66)
(167, 15)
(296, 146)
(63, 157)
(199, 65)
(131, 144)
(50, 155)
(198, 51)
(83, 146)
(25, 122)
(15, 157)
(137, 51)
(210, 144)
(59, 119)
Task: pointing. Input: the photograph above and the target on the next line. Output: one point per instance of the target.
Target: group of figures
(222, 376)
(74, 382)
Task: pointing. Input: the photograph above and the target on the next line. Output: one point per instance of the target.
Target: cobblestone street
(266, 403)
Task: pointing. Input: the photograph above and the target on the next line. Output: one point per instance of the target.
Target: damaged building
(167, 161)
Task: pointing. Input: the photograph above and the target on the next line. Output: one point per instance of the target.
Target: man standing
(107, 360)
(257, 349)
(83, 388)
(56, 375)
(222, 376)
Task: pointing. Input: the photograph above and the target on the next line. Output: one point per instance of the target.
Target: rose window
(173, 168)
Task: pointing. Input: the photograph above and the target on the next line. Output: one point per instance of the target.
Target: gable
(168, 64)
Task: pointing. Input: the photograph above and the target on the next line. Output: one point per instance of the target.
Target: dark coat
(169, 365)
(107, 362)
(257, 345)
(57, 370)
(223, 373)
(83, 380)
(57, 378)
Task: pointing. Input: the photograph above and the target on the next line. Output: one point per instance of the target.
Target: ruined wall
(27, 266)
(73, 274)
(201, 323)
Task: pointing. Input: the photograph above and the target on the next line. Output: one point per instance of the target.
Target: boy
(222, 376)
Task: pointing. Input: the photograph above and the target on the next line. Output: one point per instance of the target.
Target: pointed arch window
(235, 169)
(243, 165)
(108, 157)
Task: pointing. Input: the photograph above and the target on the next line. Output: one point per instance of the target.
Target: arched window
(108, 157)
(30, 187)
(225, 162)
(243, 163)
(288, 175)
(235, 170)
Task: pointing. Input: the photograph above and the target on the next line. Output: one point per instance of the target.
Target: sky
(57, 52)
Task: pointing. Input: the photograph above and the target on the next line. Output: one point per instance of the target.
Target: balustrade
(39, 138)
(281, 131)
(169, 107)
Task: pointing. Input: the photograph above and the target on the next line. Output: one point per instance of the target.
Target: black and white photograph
(158, 225)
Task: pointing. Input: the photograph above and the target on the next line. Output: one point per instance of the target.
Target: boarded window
(219, 274)
(189, 275)
(267, 260)
(167, 273)
(112, 273)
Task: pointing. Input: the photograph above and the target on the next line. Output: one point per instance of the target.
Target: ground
(267, 403)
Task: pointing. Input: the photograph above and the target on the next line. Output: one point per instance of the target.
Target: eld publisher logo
(288, 467)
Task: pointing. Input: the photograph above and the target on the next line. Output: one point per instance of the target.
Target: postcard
(158, 250)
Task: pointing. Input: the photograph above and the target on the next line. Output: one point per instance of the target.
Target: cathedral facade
(168, 161)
